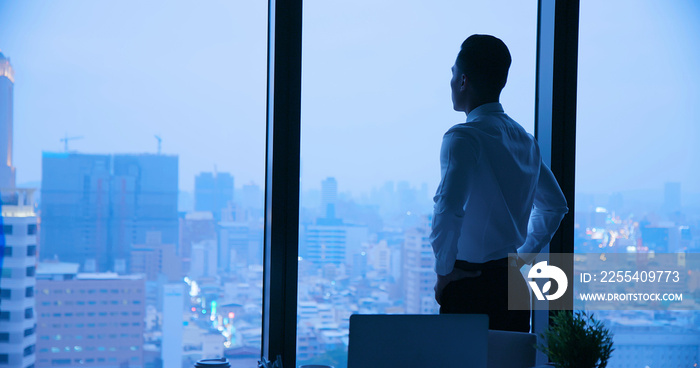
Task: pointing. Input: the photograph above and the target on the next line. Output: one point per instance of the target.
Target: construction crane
(160, 140)
(66, 139)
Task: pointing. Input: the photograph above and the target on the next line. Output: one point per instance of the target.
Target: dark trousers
(488, 294)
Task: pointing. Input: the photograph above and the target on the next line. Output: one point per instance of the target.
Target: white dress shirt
(496, 196)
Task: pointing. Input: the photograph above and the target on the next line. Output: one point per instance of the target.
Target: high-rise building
(173, 306)
(154, 259)
(240, 244)
(195, 227)
(418, 273)
(333, 243)
(7, 81)
(88, 319)
(94, 208)
(213, 192)
(251, 200)
(329, 196)
(17, 284)
(380, 258)
(204, 260)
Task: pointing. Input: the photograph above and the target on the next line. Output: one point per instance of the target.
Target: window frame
(555, 129)
(555, 125)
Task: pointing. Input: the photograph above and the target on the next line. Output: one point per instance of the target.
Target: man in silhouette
(495, 197)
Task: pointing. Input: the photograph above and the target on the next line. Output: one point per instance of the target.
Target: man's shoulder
(465, 129)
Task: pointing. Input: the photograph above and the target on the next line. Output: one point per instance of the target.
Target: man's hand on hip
(455, 275)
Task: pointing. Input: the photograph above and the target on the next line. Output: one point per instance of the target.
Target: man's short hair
(485, 60)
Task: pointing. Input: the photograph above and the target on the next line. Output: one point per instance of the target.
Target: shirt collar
(485, 109)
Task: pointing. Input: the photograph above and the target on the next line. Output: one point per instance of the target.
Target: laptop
(418, 341)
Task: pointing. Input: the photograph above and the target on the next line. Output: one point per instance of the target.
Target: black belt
(490, 265)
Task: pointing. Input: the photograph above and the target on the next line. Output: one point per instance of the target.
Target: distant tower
(329, 196)
(418, 273)
(173, 306)
(18, 263)
(7, 81)
(213, 192)
(94, 208)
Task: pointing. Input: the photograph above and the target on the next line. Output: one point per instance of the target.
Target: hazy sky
(376, 98)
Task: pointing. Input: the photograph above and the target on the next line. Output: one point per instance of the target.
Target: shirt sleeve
(547, 212)
(458, 158)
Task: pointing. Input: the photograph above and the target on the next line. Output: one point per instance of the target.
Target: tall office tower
(240, 244)
(252, 200)
(418, 272)
(379, 257)
(672, 196)
(94, 208)
(329, 196)
(7, 81)
(88, 319)
(333, 243)
(173, 307)
(194, 227)
(213, 192)
(18, 264)
(234, 245)
(203, 262)
(154, 259)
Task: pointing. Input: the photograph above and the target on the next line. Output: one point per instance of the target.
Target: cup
(213, 363)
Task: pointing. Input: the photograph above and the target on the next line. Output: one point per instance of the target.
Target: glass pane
(637, 183)
(375, 105)
(142, 127)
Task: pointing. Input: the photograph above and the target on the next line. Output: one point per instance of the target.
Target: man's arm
(547, 212)
(458, 158)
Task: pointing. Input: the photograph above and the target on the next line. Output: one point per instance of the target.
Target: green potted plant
(577, 340)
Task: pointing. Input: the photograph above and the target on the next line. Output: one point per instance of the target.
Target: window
(7, 251)
(223, 30)
(6, 273)
(29, 292)
(4, 358)
(31, 250)
(349, 261)
(4, 337)
(29, 331)
(7, 229)
(29, 350)
(629, 198)
(31, 229)
(31, 271)
(5, 294)
(28, 313)
(4, 316)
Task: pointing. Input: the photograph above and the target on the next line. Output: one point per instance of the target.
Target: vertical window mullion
(555, 117)
(282, 181)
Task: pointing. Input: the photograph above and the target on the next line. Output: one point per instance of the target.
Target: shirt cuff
(444, 268)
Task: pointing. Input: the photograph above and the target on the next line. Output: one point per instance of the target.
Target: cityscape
(107, 261)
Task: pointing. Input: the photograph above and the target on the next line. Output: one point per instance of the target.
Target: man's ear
(463, 82)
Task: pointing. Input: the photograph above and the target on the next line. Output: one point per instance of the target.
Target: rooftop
(57, 268)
